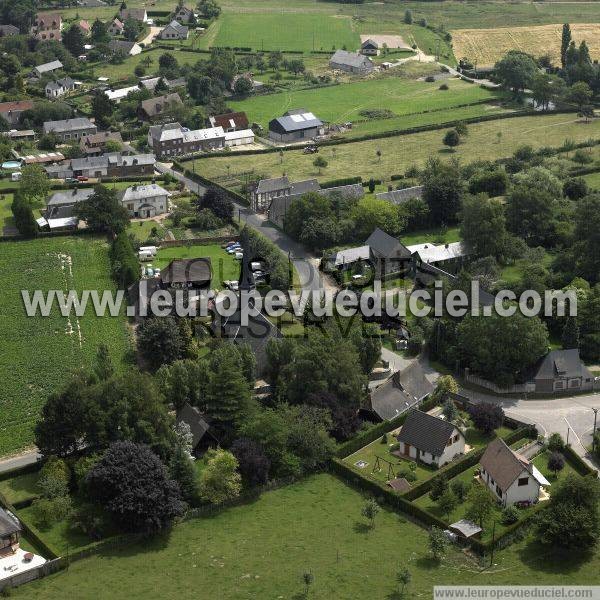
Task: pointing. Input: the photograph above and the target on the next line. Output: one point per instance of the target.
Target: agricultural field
(279, 31)
(39, 352)
(486, 141)
(224, 266)
(485, 46)
(344, 102)
(314, 525)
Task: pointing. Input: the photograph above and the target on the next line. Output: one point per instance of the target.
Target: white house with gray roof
(57, 88)
(351, 62)
(430, 439)
(145, 201)
(174, 31)
(70, 129)
(113, 164)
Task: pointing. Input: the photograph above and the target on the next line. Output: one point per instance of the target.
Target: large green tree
(443, 190)
(103, 211)
(586, 246)
(483, 226)
(516, 70)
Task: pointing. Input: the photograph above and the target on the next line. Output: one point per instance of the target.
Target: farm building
(241, 137)
(267, 190)
(145, 201)
(401, 196)
(430, 439)
(187, 273)
(510, 477)
(295, 126)
(183, 14)
(48, 67)
(174, 31)
(369, 48)
(113, 164)
(351, 62)
(389, 255)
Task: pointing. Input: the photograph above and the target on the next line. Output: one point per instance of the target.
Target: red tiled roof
(6, 107)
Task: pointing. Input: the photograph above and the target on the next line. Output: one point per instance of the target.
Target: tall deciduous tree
(483, 225)
(133, 485)
(443, 190)
(565, 43)
(103, 212)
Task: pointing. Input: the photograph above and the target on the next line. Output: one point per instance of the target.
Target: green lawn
(377, 449)
(260, 550)
(485, 141)
(343, 102)
(6, 217)
(267, 31)
(513, 273)
(540, 461)
(38, 353)
(20, 488)
(224, 266)
(437, 236)
(593, 181)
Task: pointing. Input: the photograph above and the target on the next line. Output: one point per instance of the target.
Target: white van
(16, 176)
(152, 249)
(144, 255)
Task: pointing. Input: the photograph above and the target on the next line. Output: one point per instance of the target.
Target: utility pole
(594, 433)
(493, 543)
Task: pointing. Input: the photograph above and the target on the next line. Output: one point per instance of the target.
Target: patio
(16, 563)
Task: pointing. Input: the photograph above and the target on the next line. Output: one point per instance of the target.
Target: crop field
(486, 141)
(486, 46)
(344, 102)
(272, 31)
(39, 352)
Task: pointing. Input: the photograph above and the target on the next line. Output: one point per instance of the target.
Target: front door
(406, 449)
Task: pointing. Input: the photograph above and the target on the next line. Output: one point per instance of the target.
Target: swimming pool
(11, 164)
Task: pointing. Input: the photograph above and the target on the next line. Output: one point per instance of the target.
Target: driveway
(305, 262)
(20, 460)
(152, 35)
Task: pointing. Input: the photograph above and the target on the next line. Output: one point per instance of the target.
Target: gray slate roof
(272, 185)
(426, 432)
(400, 196)
(139, 192)
(184, 270)
(198, 425)
(562, 364)
(50, 66)
(387, 246)
(67, 197)
(352, 190)
(68, 125)
(466, 528)
(295, 120)
(155, 106)
(121, 46)
(351, 59)
(175, 27)
(8, 525)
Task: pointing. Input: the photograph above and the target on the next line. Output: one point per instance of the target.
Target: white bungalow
(430, 439)
(145, 201)
(510, 477)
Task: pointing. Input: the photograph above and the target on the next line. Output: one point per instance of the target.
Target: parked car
(226, 245)
(310, 150)
(239, 255)
(234, 249)
(81, 178)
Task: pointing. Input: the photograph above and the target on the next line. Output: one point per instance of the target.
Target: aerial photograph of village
(300, 299)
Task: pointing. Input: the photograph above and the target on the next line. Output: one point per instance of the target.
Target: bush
(575, 188)
(444, 87)
(556, 443)
(510, 515)
(430, 78)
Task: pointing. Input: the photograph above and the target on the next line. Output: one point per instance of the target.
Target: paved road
(305, 262)
(21, 460)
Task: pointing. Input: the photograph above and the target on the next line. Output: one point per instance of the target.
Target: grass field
(38, 352)
(224, 266)
(280, 31)
(20, 488)
(6, 218)
(593, 180)
(341, 103)
(261, 550)
(489, 140)
(486, 46)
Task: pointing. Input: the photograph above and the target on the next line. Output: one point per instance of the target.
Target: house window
(559, 385)
(523, 481)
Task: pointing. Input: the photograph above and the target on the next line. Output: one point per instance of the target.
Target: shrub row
(579, 465)
(341, 181)
(234, 196)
